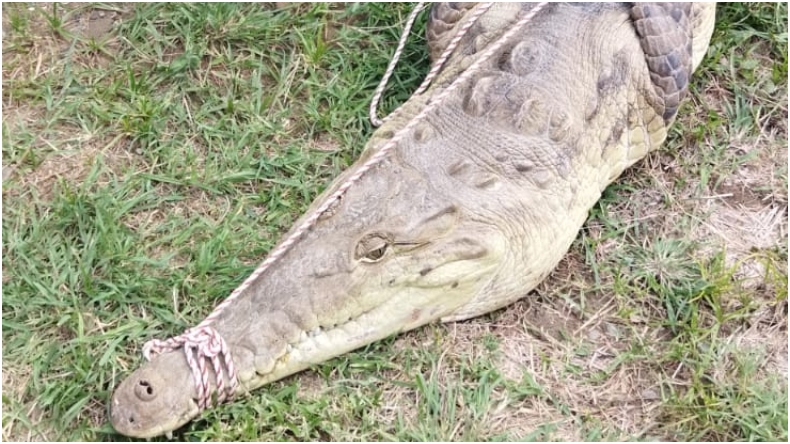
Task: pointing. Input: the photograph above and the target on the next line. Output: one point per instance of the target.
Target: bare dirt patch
(747, 213)
(70, 163)
(93, 22)
(766, 338)
(48, 34)
(55, 152)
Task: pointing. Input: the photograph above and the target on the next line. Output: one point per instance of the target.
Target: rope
(437, 65)
(199, 343)
(401, 44)
(204, 342)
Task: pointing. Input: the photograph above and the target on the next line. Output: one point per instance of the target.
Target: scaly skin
(471, 211)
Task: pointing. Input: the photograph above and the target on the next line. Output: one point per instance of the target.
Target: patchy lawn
(153, 154)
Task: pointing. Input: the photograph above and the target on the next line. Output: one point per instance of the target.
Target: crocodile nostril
(131, 419)
(144, 390)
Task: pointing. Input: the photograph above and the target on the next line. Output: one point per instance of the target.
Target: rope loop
(437, 65)
(393, 62)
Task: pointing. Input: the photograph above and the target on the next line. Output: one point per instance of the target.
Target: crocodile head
(471, 210)
(393, 254)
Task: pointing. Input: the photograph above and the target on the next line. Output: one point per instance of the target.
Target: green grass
(146, 172)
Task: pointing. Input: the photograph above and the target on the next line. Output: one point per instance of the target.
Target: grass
(150, 164)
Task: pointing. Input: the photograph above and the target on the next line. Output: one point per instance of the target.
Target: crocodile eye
(372, 248)
(376, 254)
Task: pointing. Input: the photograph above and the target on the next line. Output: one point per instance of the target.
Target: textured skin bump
(447, 18)
(525, 58)
(441, 22)
(664, 31)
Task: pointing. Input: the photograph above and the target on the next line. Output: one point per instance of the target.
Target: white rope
(394, 61)
(437, 65)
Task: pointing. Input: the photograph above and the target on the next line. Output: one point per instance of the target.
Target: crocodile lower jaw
(386, 320)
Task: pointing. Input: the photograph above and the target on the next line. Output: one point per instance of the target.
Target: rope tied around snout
(201, 344)
(204, 343)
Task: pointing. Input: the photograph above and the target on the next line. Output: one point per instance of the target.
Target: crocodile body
(473, 209)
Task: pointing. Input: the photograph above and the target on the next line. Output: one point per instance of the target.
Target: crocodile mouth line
(326, 342)
(322, 343)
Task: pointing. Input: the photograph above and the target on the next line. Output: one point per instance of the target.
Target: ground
(153, 154)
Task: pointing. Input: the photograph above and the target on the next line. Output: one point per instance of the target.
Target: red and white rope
(201, 344)
(204, 342)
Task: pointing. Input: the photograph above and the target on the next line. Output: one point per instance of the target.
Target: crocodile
(478, 200)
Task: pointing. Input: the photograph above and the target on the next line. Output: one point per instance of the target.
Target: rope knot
(201, 344)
